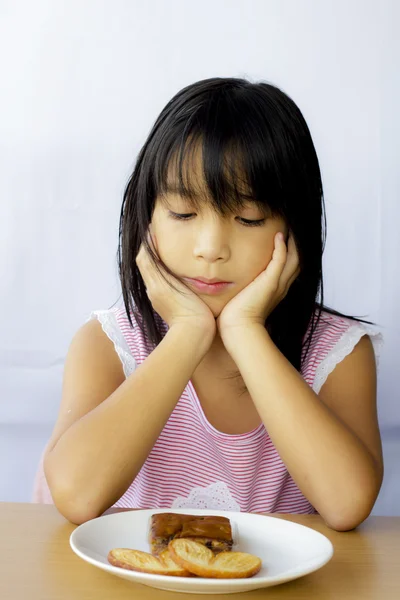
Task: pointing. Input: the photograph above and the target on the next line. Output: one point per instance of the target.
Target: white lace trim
(343, 348)
(216, 496)
(111, 328)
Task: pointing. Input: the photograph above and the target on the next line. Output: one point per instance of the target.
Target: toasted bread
(212, 531)
(136, 560)
(201, 561)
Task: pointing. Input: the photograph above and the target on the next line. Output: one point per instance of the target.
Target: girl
(244, 395)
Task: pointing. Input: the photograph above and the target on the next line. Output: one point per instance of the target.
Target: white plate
(287, 550)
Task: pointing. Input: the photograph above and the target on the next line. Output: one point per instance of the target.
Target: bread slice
(201, 561)
(212, 531)
(136, 560)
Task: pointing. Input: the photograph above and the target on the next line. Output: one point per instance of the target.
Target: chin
(216, 308)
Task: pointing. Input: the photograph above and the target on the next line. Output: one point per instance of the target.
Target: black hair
(255, 143)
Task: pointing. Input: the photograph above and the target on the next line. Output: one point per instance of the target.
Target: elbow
(76, 514)
(353, 510)
(69, 501)
(350, 516)
(343, 523)
(73, 506)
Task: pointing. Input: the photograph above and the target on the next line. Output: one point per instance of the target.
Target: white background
(81, 84)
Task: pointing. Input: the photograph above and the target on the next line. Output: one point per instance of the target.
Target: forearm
(97, 458)
(328, 462)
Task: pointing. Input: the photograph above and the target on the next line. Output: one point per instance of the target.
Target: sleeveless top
(192, 464)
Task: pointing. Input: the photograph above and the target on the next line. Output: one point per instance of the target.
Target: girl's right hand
(173, 307)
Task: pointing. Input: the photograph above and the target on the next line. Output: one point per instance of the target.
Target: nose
(211, 241)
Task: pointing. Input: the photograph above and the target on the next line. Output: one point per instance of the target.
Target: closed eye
(245, 222)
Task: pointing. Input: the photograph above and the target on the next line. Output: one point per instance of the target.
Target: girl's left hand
(258, 299)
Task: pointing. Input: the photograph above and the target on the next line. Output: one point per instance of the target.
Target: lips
(209, 288)
(209, 281)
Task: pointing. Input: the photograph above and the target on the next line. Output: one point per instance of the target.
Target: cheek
(259, 256)
(268, 246)
(168, 248)
(255, 258)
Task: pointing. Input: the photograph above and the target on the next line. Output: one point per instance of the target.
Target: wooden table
(36, 563)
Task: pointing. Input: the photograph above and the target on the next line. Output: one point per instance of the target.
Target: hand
(258, 299)
(173, 307)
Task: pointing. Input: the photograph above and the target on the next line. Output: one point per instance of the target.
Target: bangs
(225, 155)
(203, 175)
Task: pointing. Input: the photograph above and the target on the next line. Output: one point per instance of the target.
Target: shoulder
(92, 351)
(334, 338)
(114, 327)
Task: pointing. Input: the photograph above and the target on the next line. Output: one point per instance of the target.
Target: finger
(149, 239)
(139, 255)
(291, 269)
(152, 239)
(143, 259)
(277, 263)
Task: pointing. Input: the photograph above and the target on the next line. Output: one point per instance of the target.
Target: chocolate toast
(213, 532)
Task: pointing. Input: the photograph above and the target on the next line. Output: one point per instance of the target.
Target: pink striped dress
(192, 464)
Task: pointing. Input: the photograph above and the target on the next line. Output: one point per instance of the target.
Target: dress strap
(343, 347)
(110, 326)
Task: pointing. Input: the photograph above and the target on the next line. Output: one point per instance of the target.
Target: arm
(329, 443)
(107, 424)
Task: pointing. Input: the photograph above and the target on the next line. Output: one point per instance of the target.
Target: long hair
(252, 135)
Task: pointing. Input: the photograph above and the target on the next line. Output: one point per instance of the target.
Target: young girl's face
(211, 246)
